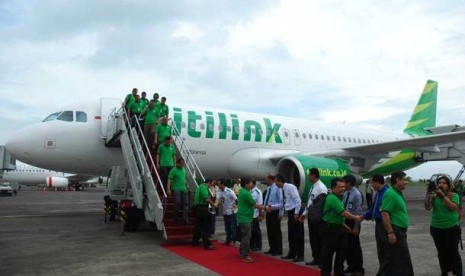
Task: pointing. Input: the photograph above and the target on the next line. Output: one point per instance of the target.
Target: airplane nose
(18, 145)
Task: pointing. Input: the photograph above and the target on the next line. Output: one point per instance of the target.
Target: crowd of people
(333, 215)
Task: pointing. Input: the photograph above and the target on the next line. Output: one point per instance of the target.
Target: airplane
(231, 144)
(32, 176)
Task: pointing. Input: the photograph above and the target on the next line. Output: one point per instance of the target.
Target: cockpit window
(66, 116)
(52, 116)
(81, 117)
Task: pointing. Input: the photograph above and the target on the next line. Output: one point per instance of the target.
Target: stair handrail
(125, 115)
(139, 128)
(190, 161)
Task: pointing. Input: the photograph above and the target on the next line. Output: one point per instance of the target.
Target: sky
(362, 64)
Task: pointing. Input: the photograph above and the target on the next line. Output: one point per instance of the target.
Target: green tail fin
(424, 114)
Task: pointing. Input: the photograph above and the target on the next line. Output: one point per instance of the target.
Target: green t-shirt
(394, 204)
(201, 195)
(151, 116)
(162, 110)
(129, 99)
(178, 179)
(136, 107)
(245, 206)
(442, 217)
(333, 209)
(144, 103)
(162, 132)
(166, 154)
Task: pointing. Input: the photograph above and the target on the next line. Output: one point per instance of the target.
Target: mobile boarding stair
(139, 180)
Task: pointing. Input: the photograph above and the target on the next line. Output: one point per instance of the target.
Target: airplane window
(236, 129)
(322, 137)
(253, 130)
(286, 134)
(202, 126)
(245, 130)
(339, 138)
(192, 125)
(220, 128)
(364, 141)
(52, 117)
(316, 136)
(344, 138)
(210, 127)
(328, 138)
(310, 136)
(66, 116)
(296, 135)
(81, 117)
(183, 125)
(261, 132)
(229, 129)
(350, 140)
(355, 140)
(304, 135)
(359, 141)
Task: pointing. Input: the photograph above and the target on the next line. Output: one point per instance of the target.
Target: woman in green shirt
(445, 228)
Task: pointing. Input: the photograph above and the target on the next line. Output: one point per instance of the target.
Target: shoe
(298, 260)
(275, 254)
(314, 262)
(288, 257)
(211, 247)
(248, 259)
(231, 243)
(269, 252)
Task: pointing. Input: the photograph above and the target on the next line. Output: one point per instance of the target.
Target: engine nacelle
(56, 182)
(295, 170)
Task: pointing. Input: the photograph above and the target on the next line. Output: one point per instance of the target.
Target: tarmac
(63, 233)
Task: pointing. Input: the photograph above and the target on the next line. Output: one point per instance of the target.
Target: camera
(432, 186)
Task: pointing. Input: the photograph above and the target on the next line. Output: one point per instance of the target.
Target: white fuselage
(224, 143)
(30, 176)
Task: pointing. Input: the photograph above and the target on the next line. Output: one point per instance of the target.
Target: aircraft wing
(420, 144)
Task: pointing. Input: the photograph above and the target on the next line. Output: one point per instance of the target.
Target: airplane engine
(56, 182)
(295, 169)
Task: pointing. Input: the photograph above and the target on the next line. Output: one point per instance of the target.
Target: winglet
(424, 114)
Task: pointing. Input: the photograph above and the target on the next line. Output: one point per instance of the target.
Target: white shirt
(228, 200)
(258, 197)
(291, 198)
(317, 188)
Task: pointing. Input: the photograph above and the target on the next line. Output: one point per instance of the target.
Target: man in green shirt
(130, 98)
(395, 218)
(201, 202)
(245, 210)
(150, 122)
(333, 230)
(163, 130)
(135, 109)
(177, 184)
(166, 157)
(163, 108)
(143, 100)
(445, 228)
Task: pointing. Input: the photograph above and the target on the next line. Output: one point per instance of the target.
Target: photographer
(445, 228)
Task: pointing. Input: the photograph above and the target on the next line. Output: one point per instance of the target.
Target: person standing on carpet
(256, 240)
(245, 206)
(274, 213)
(201, 202)
(295, 232)
(228, 199)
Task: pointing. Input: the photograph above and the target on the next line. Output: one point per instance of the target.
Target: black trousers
(380, 234)
(256, 239)
(396, 261)
(354, 256)
(202, 228)
(369, 198)
(315, 238)
(273, 229)
(447, 244)
(334, 240)
(164, 172)
(295, 236)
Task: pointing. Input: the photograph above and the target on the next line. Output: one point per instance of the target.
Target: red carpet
(225, 260)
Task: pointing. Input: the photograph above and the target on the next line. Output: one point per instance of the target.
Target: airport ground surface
(62, 233)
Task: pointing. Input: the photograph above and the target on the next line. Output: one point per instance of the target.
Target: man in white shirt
(256, 239)
(228, 199)
(314, 225)
(295, 232)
